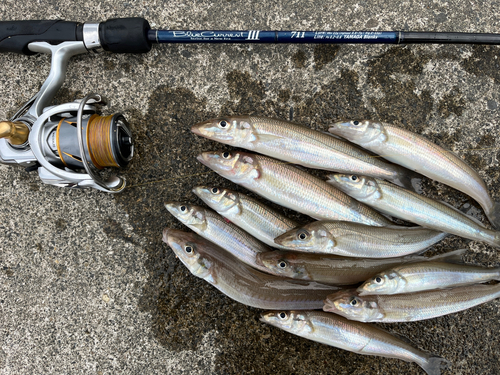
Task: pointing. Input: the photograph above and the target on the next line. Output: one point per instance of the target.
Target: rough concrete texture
(86, 284)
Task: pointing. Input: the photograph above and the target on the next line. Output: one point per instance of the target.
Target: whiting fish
(409, 307)
(241, 282)
(335, 270)
(334, 330)
(301, 145)
(417, 277)
(215, 228)
(359, 240)
(407, 205)
(417, 153)
(290, 187)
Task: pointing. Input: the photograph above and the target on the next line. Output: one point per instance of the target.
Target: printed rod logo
(253, 35)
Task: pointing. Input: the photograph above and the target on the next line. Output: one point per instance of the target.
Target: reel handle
(119, 35)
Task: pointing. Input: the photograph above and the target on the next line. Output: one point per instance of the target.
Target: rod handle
(16, 35)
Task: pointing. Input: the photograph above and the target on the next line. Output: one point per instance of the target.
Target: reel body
(67, 144)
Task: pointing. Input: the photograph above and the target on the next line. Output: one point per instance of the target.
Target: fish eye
(282, 264)
(226, 155)
(354, 178)
(378, 280)
(282, 315)
(223, 124)
(215, 190)
(188, 249)
(356, 123)
(354, 301)
(183, 208)
(302, 235)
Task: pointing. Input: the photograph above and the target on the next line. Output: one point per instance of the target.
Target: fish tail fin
(408, 179)
(494, 215)
(434, 365)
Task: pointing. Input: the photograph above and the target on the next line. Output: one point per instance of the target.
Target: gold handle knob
(15, 132)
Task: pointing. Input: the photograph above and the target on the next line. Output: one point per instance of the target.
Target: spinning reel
(69, 144)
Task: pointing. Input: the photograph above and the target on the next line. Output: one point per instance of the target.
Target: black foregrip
(16, 35)
(125, 35)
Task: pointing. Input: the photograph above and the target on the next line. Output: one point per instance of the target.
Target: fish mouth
(197, 128)
(329, 306)
(199, 190)
(172, 208)
(281, 239)
(339, 125)
(202, 159)
(166, 232)
(333, 179)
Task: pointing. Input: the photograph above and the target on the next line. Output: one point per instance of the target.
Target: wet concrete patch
(452, 102)
(324, 54)
(401, 103)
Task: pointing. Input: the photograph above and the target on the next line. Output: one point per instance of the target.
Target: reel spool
(107, 142)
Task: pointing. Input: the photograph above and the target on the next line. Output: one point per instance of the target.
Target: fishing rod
(69, 144)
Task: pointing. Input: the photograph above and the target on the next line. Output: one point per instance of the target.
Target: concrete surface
(87, 286)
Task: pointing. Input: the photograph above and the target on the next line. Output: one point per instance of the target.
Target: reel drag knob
(16, 133)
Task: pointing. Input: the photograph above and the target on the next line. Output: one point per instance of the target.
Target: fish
(251, 215)
(301, 145)
(335, 270)
(215, 228)
(358, 240)
(289, 186)
(366, 339)
(418, 277)
(407, 205)
(241, 282)
(409, 307)
(418, 154)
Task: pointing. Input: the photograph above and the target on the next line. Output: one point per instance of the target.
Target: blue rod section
(261, 36)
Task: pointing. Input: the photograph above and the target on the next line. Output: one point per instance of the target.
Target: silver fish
(336, 331)
(407, 205)
(239, 281)
(249, 214)
(290, 187)
(335, 270)
(358, 240)
(409, 307)
(299, 144)
(417, 277)
(215, 228)
(421, 155)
